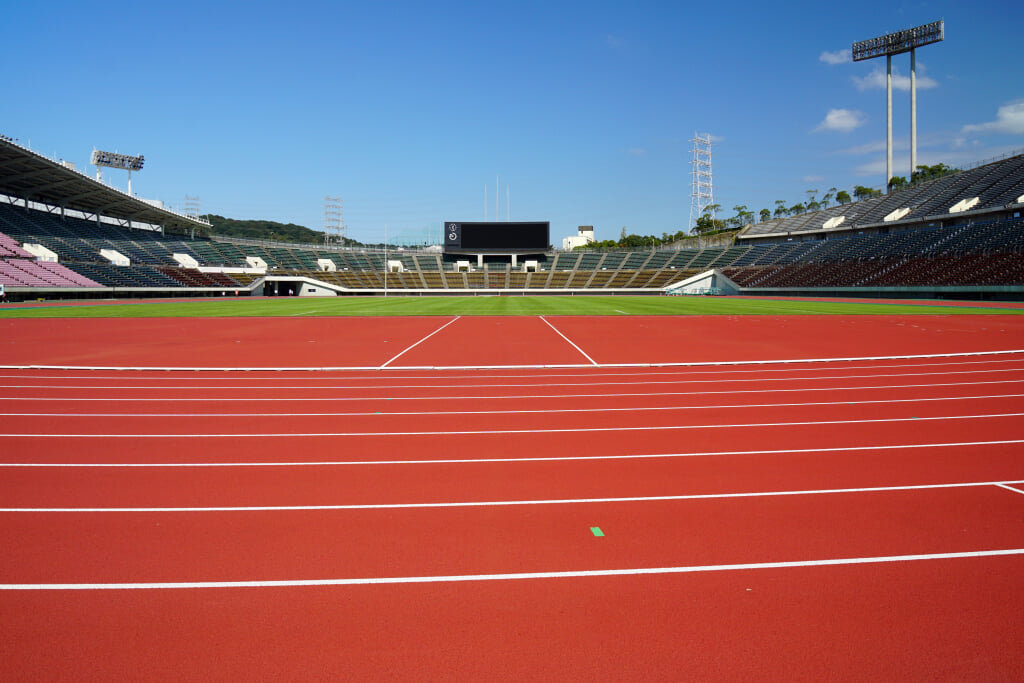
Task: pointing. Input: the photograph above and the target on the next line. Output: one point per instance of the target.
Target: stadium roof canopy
(30, 176)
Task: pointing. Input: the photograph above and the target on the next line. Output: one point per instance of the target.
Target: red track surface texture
(843, 520)
(476, 341)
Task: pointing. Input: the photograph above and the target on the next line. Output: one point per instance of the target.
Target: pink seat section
(9, 247)
(21, 272)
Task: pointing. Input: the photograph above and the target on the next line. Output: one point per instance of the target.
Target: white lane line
(1010, 488)
(635, 571)
(541, 366)
(515, 503)
(466, 432)
(466, 461)
(573, 344)
(410, 348)
(493, 397)
(589, 372)
(464, 385)
(527, 411)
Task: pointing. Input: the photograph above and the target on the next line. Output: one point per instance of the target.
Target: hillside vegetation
(268, 230)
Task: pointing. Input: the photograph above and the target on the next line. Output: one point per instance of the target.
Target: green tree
(766, 215)
(796, 209)
(742, 216)
(923, 173)
(708, 224)
(843, 197)
(861, 192)
(780, 208)
(897, 182)
(827, 199)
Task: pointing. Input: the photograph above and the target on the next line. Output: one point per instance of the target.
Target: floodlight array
(114, 160)
(900, 41)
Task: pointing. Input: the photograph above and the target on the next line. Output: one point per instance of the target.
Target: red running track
(475, 341)
(708, 476)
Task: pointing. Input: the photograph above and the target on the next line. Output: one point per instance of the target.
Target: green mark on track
(596, 530)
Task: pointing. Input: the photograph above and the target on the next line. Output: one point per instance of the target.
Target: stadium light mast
(703, 190)
(334, 226)
(894, 44)
(114, 160)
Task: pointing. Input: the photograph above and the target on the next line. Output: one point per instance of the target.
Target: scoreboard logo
(453, 233)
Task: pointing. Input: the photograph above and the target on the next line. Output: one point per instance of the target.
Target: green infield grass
(487, 305)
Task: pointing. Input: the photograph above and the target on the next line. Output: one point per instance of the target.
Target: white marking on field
(571, 342)
(1010, 488)
(467, 432)
(463, 385)
(588, 372)
(514, 503)
(489, 397)
(542, 366)
(410, 348)
(637, 571)
(466, 461)
(526, 411)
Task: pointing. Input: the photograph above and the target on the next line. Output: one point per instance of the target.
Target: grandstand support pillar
(913, 113)
(888, 124)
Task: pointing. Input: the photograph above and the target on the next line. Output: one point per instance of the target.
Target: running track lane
(568, 444)
(182, 546)
(956, 619)
(211, 342)
(657, 339)
(432, 483)
(382, 423)
(337, 342)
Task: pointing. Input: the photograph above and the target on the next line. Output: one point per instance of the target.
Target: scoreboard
(497, 236)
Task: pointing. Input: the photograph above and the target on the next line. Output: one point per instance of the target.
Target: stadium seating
(851, 245)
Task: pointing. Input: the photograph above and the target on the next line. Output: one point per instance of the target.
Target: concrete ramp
(709, 282)
(186, 260)
(40, 252)
(115, 257)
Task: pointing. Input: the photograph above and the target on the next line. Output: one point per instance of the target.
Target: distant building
(585, 236)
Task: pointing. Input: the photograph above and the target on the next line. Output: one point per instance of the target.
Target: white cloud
(876, 79)
(812, 178)
(842, 120)
(837, 57)
(1009, 121)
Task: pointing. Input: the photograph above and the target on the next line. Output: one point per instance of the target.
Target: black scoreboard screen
(497, 236)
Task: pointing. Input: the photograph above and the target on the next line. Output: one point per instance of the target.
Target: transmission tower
(192, 206)
(703, 192)
(334, 226)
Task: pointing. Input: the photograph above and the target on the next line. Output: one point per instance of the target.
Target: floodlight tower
(192, 206)
(334, 227)
(114, 160)
(703, 190)
(894, 44)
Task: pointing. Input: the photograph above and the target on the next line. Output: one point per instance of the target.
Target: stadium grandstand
(65, 235)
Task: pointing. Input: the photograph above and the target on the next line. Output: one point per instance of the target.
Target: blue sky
(585, 110)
